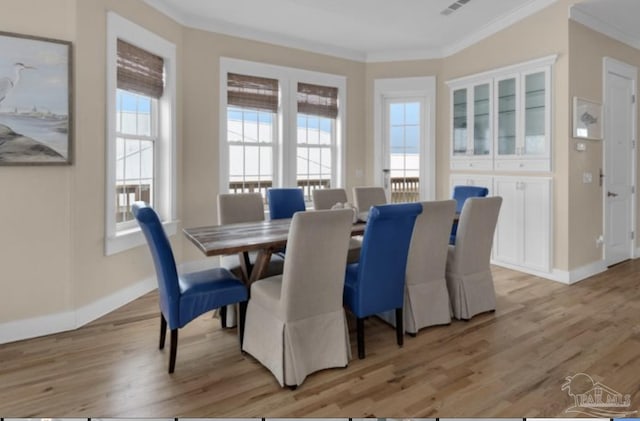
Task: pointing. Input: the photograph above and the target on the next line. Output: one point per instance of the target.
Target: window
(140, 130)
(283, 128)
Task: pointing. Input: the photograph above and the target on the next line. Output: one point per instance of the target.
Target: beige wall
(588, 48)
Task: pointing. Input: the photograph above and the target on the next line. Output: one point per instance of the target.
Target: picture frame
(36, 100)
(587, 119)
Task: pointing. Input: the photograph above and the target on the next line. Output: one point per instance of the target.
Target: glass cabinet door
(534, 114)
(507, 116)
(481, 120)
(460, 122)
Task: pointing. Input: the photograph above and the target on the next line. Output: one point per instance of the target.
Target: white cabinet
(522, 113)
(471, 180)
(471, 126)
(523, 234)
(501, 119)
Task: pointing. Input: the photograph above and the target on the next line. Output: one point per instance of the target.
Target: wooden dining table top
(218, 240)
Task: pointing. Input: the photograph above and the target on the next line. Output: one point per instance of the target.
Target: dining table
(265, 237)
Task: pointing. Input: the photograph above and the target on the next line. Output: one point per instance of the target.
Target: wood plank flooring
(510, 363)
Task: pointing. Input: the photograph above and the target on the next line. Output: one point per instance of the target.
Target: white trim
(425, 88)
(395, 54)
(524, 66)
(562, 276)
(165, 161)
(69, 320)
(288, 77)
(581, 16)
(613, 66)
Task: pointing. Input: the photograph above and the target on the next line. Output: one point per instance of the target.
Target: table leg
(262, 261)
(245, 266)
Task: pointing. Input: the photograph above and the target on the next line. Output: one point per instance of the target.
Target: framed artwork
(36, 124)
(587, 119)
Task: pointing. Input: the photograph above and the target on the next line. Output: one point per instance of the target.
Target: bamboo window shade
(140, 71)
(321, 101)
(252, 92)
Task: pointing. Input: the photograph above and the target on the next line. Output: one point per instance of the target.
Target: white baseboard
(562, 276)
(69, 320)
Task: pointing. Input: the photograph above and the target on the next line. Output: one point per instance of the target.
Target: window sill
(128, 239)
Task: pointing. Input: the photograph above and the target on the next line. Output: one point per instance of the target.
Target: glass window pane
(236, 162)
(266, 163)
(144, 124)
(412, 113)
(396, 114)
(412, 139)
(265, 127)
(314, 162)
(132, 161)
(119, 159)
(302, 162)
(146, 159)
(460, 122)
(250, 126)
(313, 130)
(129, 123)
(397, 139)
(252, 162)
(325, 156)
(326, 132)
(507, 116)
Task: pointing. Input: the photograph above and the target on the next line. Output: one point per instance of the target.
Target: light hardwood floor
(510, 363)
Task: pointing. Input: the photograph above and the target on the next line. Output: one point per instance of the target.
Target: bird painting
(7, 84)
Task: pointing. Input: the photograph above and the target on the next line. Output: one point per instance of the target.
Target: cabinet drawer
(523, 165)
(471, 164)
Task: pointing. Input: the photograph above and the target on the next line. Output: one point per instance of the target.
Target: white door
(619, 151)
(403, 140)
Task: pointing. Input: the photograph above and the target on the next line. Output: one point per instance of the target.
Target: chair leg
(163, 331)
(360, 333)
(174, 350)
(399, 328)
(223, 316)
(243, 316)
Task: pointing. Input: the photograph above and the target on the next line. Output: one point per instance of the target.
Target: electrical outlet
(599, 241)
(587, 178)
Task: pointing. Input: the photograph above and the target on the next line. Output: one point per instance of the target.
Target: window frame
(120, 238)
(285, 141)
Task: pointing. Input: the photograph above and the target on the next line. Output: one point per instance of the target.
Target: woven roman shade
(252, 92)
(139, 71)
(321, 101)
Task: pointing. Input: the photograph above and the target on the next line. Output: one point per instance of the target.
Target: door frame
(611, 65)
(410, 87)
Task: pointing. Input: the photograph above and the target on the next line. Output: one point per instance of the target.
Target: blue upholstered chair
(376, 283)
(185, 297)
(284, 202)
(460, 194)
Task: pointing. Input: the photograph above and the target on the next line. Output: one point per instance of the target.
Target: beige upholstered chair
(235, 208)
(365, 197)
(426, 300)
(295, 322)
(469, 278)
(326, 198)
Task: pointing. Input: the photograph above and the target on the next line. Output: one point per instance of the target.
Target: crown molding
(578, 15)
(226, 28)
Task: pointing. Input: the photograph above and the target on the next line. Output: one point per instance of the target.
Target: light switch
(587, 177)
(581, 146)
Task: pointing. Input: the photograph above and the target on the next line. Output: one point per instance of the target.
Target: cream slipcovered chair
(469, 278)
(324, 199)
(235, 208)
(295, 322)
(426, 300)
(365, 197)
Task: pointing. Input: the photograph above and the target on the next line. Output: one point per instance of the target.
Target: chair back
(366, 197)
(163, 260)
(474, 240)
(242, 207)
(462, 193)
(326, 198)
(427, 259)
(284, 202)
(313, 277)
(383, 257)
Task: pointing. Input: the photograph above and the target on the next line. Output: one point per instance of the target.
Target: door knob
(609, 194)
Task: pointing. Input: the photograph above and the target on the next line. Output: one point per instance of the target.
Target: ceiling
(384, 30)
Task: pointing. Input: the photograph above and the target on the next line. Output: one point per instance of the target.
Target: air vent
(453, 7)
